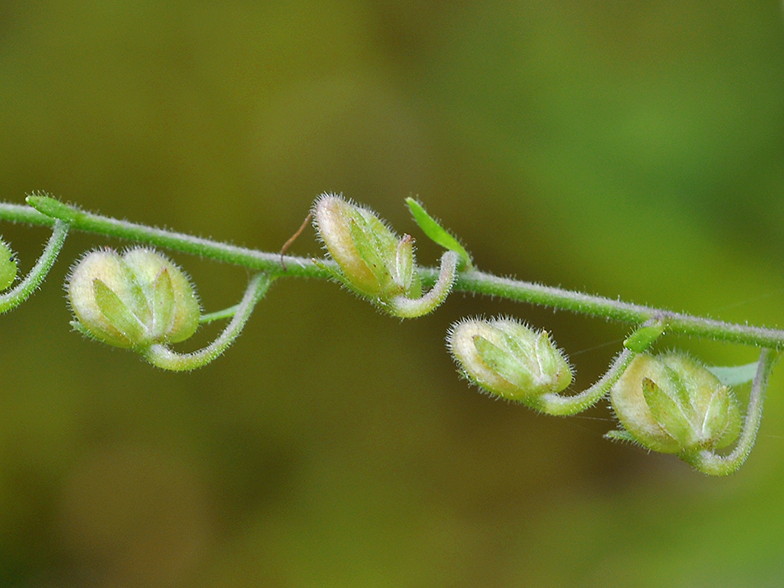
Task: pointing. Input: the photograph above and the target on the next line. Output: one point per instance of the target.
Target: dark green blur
(626, 149)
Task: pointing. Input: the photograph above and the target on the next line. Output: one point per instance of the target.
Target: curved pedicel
(163, 357)
(22, 291)
(373, 262)
(712, 464)
(510, 360)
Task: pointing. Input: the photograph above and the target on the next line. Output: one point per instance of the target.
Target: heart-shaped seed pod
(672, 404)
(508, 359)
(132, 300)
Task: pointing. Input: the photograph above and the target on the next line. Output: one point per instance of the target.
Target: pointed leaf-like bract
(734, 375)
(433, 229)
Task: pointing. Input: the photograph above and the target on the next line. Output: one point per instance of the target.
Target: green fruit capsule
(132, 300)
(374, 262)
(508, 359)
(8, 267)
(672, 404)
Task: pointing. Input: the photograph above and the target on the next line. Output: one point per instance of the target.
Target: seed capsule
(8, 267)
(508, 359)
(132, 300)
(672, 404)
(373, 261)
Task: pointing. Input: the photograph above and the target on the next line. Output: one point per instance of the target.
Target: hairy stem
(721, 465)
(475, 282)
(557, 405)
(27, 286)
(407, 308)
(163, 357)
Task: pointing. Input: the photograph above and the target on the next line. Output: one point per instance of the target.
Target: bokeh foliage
(630, 149)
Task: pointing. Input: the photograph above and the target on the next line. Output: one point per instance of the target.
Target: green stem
(26, 287)
(163, 357)
(86, 222)
(475, 282)
(488, 284)
(557, 405)
(219, 315)
(411, 308)
(718, 465)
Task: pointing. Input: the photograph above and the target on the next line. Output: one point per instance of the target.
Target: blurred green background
(625, 149)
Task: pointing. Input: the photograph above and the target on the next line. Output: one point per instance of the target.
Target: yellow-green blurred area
(625, 149)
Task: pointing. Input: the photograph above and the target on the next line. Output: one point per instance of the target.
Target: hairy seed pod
(373, 261)
(672, 404)
(8, 266)
(508, 359)
(132, 300)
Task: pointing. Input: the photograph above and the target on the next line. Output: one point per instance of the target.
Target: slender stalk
(475, 282)
(163, 357)
(722, 465)
(219, 315)
(86, 222)
(558, 405)
(407, 307)
(14, 297)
